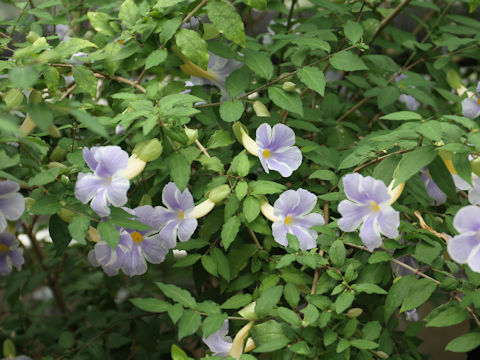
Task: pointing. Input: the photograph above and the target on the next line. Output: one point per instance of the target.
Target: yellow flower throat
(266, 153)
(288, 220)
(374, 206)
(137, 238)
(4, 248)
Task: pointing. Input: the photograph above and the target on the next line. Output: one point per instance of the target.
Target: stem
(254, 237)
(191, 13)
(389, 18)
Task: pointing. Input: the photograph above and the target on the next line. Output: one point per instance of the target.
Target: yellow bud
(192, 135)
(381, 355)
(260, 109)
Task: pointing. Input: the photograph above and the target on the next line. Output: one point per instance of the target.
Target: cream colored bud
(27, 125)
(93, 235)
(260, 109)
(219, 193)
(381, 355)
(249, 144)
(237, 345)
(202, 209)
(192, 135)
(66, 215)
(267, 210)
(395, 192)
(135, 166)
(248, 312)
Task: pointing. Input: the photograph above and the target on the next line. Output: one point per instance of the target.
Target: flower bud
(135, 166)
(381, 355)
(260, 109)
(202, 209)
(54, 132)
(93, 235)
(395, 192)
(475, 164)
(29, 203)
(289, 86)
(454, 79)
(32, 36)
(219, 193)
(237, 345)
(267, 210)
(27, 125)
(248, 312)
(249, 144)
(8, 349)
(354, 313)
(66, 215)
(58, 154)
(192, 135)
(54, 164)
(148, 150)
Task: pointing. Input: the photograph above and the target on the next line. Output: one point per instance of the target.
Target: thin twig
(380, 158)
(68, 91)
(191, 13)
(254, 237)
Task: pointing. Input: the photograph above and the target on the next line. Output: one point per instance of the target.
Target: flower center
(4, 248)
(478, 101)
(266, 153)
(181, 215)
(374, 206)
(288, 220)
(137, 238)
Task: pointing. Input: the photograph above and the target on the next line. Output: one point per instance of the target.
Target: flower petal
(218, 342)
(168, 234)
(5, 265)
(369, 233)
(282, 136)
(111, 159)
(16, 257)
(285, 161)
(433, 190)
(460, 184)
(117, 191)
(307, 221)
(470, 108)
(279, 231)
(89, 156)
(186, 228)
(467, 219)
(474, 193)
(3, 222)
(286, 202)
(352, 215)
(12, 206)
(171, 197)
(153, 250)
(306, 238)
(87, 186)
(8, 186)
(185, 199)
(474, 259)
(351, 186)
(162, 215)
(389, 220)
(461, 247)
(134, 263)
(263, 136)
(100, 204)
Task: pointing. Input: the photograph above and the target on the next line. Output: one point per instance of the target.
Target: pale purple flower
(474, 193)
(276, 149)
(119, 130)
(292, 209)
(10, 253)
(146, 244)
(410, 102)
(368, 203)
(437, 195)
(12, 204)
(218, 342)
(105, 186)
(110, 260)
(471, 106)
(465, 247)
(175, 217)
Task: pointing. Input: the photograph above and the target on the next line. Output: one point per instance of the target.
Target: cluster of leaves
(327, 69)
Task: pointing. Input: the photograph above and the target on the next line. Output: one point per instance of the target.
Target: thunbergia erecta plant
(368, 203)
(12, 203)
(10, 253)
(293, 211)
(219, 342)
(437, 195)
(103, 187)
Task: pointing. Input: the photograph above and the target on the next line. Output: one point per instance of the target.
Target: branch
(191, 13)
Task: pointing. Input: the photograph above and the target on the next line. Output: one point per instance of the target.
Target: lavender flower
(276, 150)
(465, 247)
(437, 195)
(176, 217)
(471, 105)
(105, 186)
(10, 254)
(292, 210)
(218, 342)
(12, 204)
(368, 203)
(410, 102)
(110, 260)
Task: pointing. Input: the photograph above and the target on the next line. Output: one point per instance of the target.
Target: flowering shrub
(251, 179)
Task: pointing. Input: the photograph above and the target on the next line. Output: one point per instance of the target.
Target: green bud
(13, 98)
(192, 135)
(54, 164)
(58, 154)
(248, 312)
(145, 200)
(260, 109)
(32, 36)
(35, 97)
(236, 130)
(29, 203)
(54, 132)
(8, 349)
(289, 86)
(475, 164)
(354, 313)
(219, 193)
(454, 79)
(66, 215)
(148, 150)
(64, 179)
(381, 355)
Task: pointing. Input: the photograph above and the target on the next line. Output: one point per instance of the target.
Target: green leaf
(257, 4)
(264, 187)
(128, 13)
(397, 294)
(178, 354)
(251, 208)
(178, 295)
(418, 294)
(67, 48)
(100, 22)
(179, 170)
(220, 138)
(230, 230)
(211, 163)
(388, 96)
(151, 304)
(363, 344)
(85, 80)
(269, 336)
(7, 161)
(169, 29)
(188, 260)
(223, 266)
(109, 233)
(58, 230)
(353, 31)
(23, 76)
(238, 81)
(402, 115)
(175, 312)
(237, 301)
(89, 122)
(313, 78)
(193, 47)
(41, 115)
(155, 58)
(188, 324)
(78, 228)
(259, 63)
(413, 162)
(241, 190)
(289, 316)
(13, 98)
(291, 294)
(473, 5)
(267, 300)
(284, 100)
(46, 205)
(370, 289)
(209, 265)
(240, 164)
(464, 343)
(231, 111)
(442, 177)
(337, 253)
(448, 317)
(213, 323)
(462, 166)
(227, 21)
(324, 175)
(343, 302)
(347, 61)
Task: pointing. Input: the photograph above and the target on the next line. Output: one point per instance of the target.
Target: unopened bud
(8, 349)
(64, 179)
(145, 200)
(260, 109)
(219, 193)
(237, 128)
(248, 312)
(475, 164)
(202, 209)
(58, 154)
(54, 132)
(454, 79)
(32, 36)
(93, 235)
(134, 167)
(192, 135)
(29, 203)
(354, 312)
(55, 164)
(66, 215)
(381, 355)
(148, 150)
(289, 86)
